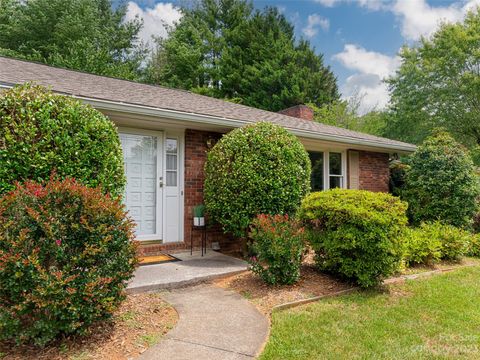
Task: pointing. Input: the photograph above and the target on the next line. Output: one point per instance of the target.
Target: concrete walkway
(191, 270)
(214, 324)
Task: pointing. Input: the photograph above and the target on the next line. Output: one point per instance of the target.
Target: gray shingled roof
(86, 85)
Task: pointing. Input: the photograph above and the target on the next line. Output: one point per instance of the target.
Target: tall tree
(88, 35)
(225, 49)
(438, 85)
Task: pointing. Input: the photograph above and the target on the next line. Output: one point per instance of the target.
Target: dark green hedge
(42, 132)
(257, 169)
(441, 183)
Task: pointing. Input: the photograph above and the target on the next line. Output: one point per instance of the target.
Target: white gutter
(226, 122)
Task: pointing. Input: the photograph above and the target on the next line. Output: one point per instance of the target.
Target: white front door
(143, 154)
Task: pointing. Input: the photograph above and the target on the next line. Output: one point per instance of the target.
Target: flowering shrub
(66, 252)
(278, 245)
(355, 233)
(41, 131)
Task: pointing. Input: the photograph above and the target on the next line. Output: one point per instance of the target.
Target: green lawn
(433, 318)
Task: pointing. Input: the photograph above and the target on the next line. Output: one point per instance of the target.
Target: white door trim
(180, 137)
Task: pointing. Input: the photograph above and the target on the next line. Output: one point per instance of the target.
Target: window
(327, 170)
(172, 162)
(335, 170)
(316, 178)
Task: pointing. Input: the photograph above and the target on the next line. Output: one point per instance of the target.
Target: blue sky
(359, 39)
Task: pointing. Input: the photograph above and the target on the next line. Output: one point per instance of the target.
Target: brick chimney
(298, 111)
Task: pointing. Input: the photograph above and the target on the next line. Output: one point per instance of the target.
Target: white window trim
(180, 137)
(326, 167)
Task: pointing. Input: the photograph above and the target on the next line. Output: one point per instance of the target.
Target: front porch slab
(191, 270)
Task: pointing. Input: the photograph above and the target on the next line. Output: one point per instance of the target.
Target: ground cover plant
(257, 169)
(42, 132)
(422, 319)
(66, 253)
(356, 234)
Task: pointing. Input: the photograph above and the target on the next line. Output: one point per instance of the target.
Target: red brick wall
(374, 172)
(195, 157)
(299, 111)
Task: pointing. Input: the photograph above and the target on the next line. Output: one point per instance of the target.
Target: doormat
(157, 259)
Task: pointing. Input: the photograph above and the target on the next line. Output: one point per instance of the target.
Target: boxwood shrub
(66, 253)
(356, 234)
(278, 245)
(42, 132)
(257, 169)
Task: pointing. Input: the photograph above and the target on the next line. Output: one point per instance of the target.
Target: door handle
(160, 181)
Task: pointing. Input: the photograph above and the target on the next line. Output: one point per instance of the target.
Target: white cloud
(314, 22)
(354, 57)
(328, 3)
(418, 18)
(156, 20)
(371, 68)
(369, 4)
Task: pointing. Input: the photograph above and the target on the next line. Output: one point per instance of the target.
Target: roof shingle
(13, 71)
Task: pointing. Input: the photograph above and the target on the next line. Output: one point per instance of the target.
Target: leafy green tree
(344, 114)
(223, 48)
(86, 35)
(438, 84)
(441, 183)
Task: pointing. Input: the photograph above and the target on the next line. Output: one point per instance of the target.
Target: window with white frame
(172, 162)
(327, 170)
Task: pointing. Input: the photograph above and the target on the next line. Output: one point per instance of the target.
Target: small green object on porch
(199, 215)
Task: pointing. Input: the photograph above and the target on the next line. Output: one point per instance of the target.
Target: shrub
(441, 183)
(356, 234)
(474, 246)
(41, 132)
(432, 242)
(420, 248)
(278, 245)
(257, 169)
(66, 252)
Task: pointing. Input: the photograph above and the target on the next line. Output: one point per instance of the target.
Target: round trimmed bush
(257, 169)
(42, 132)
(356, 234)
(441, 183)
(66, 253)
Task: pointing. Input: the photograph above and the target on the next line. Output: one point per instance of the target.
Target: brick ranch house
(165, 134)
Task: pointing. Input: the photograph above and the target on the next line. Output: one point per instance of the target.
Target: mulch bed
(139, 323)
(312, 283)
(265, 297)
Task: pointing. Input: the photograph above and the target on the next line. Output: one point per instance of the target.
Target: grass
(432, 318)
